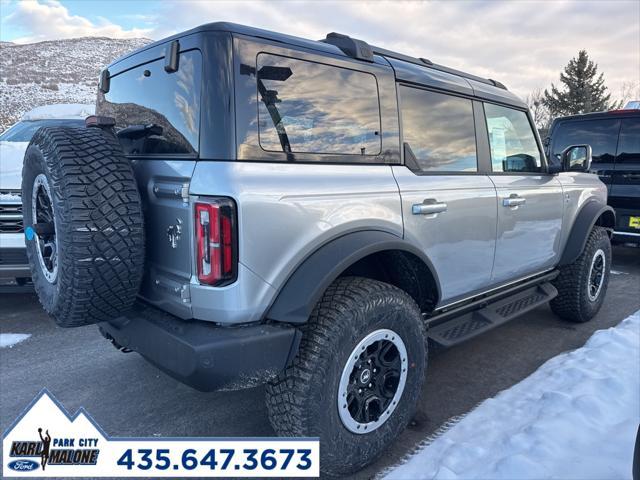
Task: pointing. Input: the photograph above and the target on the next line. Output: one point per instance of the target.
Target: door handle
(513, 201)
(429, 207)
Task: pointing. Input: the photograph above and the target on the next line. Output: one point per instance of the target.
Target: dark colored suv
(614, 137)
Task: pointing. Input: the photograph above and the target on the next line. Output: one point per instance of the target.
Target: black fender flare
(304, 288)
(585, 220)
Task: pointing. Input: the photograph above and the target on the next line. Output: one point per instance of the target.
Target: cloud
(524, 44)
(50, 20)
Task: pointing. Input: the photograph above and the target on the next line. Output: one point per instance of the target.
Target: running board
(468, 325)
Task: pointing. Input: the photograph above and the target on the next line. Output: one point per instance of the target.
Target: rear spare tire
(83, 225)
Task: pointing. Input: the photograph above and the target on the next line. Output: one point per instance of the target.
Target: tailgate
(164, 187)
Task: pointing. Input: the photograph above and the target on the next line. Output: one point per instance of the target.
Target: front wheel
(583, 284)
(357, 376)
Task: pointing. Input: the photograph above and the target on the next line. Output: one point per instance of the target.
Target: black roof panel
(407, 68)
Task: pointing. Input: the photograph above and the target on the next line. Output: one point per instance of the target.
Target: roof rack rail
(498, 84)
(352, 47)
(361, 50)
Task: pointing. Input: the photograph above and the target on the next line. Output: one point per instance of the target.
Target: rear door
(448, 207)
(624, 195)
(530, 202)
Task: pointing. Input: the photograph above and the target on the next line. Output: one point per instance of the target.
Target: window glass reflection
(513, 144)
(440, 130)
(306, 107)
(602, 135)
(148, 95)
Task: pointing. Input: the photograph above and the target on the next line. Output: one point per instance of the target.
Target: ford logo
(23, 465)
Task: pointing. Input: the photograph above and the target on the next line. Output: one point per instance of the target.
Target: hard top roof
(596, 115)
(483, 87)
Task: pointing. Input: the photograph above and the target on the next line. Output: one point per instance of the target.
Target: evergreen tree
(584, 90)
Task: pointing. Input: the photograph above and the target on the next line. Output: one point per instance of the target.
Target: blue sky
(522, 43)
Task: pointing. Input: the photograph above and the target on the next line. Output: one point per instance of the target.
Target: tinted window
(602, 135)
(23, 131)
(629, 144)
(512, 141)
(439, 129)
(307, 107)
(148, 95)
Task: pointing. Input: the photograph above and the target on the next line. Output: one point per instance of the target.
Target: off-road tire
(302, 401)
(99, 231)
(573, 302)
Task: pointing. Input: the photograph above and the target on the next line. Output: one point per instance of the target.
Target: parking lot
(129, 397)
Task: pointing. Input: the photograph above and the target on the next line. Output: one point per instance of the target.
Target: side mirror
(576, 158)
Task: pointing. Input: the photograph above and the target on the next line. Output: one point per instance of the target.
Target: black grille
(13, 256)
(11, 211)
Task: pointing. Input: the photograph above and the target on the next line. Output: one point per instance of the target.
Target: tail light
(216, 242)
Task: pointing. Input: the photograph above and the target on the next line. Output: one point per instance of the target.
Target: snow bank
(575, 417)
(11, 339)
(61, 110)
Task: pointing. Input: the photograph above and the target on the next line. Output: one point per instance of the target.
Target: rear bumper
(623, 231)
(13, 257)
(630, 237)
(203, 355)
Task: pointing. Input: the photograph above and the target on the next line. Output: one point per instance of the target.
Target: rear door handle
(429, 207)
(513, 201)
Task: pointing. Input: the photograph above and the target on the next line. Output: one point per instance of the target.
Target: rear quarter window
(147, 94)
(308, 107)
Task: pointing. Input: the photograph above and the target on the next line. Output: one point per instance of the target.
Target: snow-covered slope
(58, 71)
(576, 417)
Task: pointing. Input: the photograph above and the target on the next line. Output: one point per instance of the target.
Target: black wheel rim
(44, 228)
(372, 381)
(596, 275)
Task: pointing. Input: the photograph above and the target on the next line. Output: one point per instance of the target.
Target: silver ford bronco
(248, 207)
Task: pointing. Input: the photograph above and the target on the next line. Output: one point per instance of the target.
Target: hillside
(58, 71)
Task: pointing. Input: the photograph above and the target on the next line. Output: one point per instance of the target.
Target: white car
(13, 143)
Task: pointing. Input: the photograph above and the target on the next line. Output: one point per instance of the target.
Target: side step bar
(457, 329)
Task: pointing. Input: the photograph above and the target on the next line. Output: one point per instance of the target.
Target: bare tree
(539, 110)
(629, 90)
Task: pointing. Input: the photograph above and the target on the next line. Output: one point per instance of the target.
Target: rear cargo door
(624, 195)
(157, 115)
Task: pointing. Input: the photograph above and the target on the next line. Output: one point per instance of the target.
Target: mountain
(57, 71)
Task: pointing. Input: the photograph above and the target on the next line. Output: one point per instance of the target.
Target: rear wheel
(83, 225)
(357, 376)
(583, 284)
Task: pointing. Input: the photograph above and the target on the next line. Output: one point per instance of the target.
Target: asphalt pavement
(129, 397)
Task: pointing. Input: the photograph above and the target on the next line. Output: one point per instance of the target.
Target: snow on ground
(575, 417)
(11, 339)
(60, 110)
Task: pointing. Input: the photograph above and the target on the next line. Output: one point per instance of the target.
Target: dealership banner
(45, 441)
